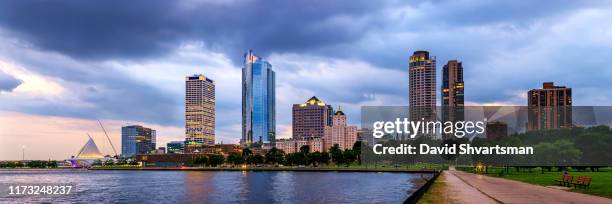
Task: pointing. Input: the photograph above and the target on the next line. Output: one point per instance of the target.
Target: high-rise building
(199, 111)
(549, 107)
(258, 102)
(175, 147)
(422, 86)
(310, 118)
(340, 133)
(452, 101)
(136, 139)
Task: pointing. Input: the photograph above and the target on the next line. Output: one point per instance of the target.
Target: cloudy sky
(65, 64)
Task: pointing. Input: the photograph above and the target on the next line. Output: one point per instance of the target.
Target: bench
(566, 180)
(583, 182)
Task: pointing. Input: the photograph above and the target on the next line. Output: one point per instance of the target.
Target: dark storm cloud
(516, 13)
(383, 34)
(140, 29)
(8, 82)
(133, 29)
(96, 29)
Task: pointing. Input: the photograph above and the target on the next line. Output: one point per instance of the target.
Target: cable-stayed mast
(107, 137)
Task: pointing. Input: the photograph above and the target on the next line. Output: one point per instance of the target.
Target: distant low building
(496, 130)
(160, 150)
(316, 144)
(175, 147)
(227, 149)
(187, 158)
(167, 159)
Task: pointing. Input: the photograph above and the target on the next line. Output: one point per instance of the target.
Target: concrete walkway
(484, 189)
(457, 191)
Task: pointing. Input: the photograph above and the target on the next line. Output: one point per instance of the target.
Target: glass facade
(136, 139)
(258, 102)
(175, 147)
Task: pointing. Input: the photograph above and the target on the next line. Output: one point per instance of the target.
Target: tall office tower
(136, 139)
(549, 107)
(310, 118)
(258, 102)
(422, 80)
(340, 133)
(452, 103)
(199, 111)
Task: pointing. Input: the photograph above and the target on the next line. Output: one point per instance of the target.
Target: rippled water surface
(218, 186)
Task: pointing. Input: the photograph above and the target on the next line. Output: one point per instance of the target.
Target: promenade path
(485, 189)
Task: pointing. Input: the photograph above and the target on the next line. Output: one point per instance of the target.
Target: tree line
(29, 164)
(274, 156)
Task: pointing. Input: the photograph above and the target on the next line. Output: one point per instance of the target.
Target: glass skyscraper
(258, 102)
(136, 139)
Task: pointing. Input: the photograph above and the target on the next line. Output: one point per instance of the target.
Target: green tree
(97, 162)
(314, 158)
(201, 160)
(595, 146)
(216, 160)
(336, 154)
(36, 164)
(275, 156)
(305, 149)
(567, 152)
(121, 161)
(348, 156)
(133, 162)
(109, 162)
(255, 159)
(301, 158)
(246, 152)
(559, 153)
(357, 151)
(235, 159)
(290, 159)
(324, 158)
(297, 158)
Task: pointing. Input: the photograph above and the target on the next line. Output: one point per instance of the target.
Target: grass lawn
(601, 184)
(435, 194)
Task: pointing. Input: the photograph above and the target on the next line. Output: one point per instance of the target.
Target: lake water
(218, 186)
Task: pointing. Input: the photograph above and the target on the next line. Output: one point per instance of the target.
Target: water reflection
(218, 186)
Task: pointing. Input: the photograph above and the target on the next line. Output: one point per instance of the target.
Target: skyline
(59, 82)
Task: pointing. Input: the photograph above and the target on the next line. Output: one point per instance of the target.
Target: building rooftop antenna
(107, 137)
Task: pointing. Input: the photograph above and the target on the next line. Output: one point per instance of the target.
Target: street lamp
(23, 152)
